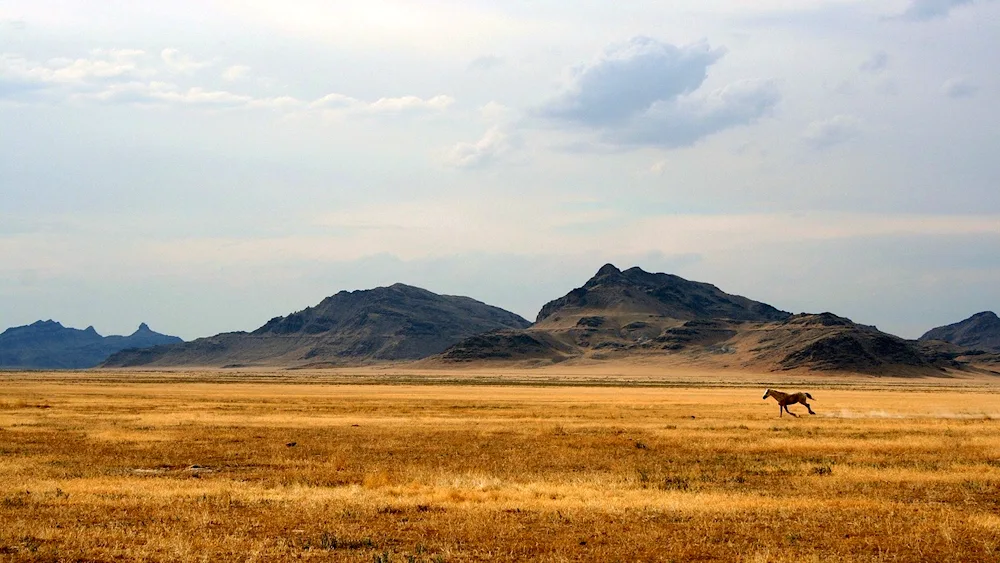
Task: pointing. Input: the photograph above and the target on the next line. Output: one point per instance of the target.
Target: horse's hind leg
(808, 407)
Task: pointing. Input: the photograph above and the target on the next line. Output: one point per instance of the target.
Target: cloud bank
(647, 92)
(131, 77)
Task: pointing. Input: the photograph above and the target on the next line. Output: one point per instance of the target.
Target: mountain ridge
(615, 315)
(50, 345)
(393, 323)
(633, 313)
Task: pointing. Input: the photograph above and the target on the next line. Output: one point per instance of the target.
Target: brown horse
(785, 399)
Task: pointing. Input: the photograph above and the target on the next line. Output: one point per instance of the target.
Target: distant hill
(980, 332)
(50, 345)
(634, 314)
(399, 322)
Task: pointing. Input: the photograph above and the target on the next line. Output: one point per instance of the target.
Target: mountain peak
(980, 331)
(409, 289)
(636, 291)
(608, 269)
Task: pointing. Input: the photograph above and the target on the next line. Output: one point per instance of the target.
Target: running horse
(785, 399)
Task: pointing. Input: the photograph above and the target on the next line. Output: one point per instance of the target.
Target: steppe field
(478, 466)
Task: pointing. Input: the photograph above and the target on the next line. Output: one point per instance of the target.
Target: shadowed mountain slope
(980, 331)
(50, 345)
(399, 322)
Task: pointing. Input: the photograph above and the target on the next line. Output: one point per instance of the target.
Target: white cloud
(166, 94)
(202, 97)
(163, 93)
(645, 92)
(337, 105)
(116, 76)
(279, 103)
(684, 120)
(104, 63)
(179, 62)
(235, 72)
(335, 102)
(494, 145)
(19, 75)
(407, 104)
(959, 87)
(836, 130)
(627, 79)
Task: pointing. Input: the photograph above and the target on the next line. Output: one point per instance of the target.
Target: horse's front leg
(790, 412)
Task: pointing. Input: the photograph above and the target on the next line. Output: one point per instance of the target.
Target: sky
(205, 166)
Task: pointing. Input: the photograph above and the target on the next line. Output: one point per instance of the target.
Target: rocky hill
(636, 314)
(50, 345)
(978, 332)
(826, 342)
(399, 322)
(664, 295)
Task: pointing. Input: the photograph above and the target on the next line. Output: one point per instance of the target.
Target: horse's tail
(810, 396)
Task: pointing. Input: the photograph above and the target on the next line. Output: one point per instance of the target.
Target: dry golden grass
(182, 467)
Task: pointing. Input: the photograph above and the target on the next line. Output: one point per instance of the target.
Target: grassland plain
(212, 466)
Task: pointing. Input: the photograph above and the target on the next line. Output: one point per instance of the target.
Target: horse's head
(767, 393)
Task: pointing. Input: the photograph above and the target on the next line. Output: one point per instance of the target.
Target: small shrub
(643, 477)
(675, 484)
(330, 541)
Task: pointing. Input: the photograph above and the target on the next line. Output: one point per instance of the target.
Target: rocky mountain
(399, 322)
(979, 332)
(664, 295)
(826, 342)
(634, 314)
(50, 345)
